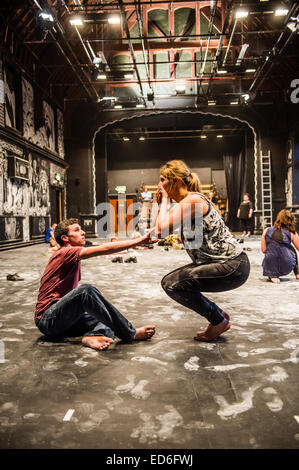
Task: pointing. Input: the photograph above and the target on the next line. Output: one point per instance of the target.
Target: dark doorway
(56, 198)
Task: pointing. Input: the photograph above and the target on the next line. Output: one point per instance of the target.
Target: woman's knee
(167, 284)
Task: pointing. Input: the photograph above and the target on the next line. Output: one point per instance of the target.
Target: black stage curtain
(234, 175)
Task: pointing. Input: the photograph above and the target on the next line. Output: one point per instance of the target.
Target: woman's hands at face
(161, 193)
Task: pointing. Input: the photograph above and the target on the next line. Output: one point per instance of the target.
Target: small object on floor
(117, 259)
(132, 259)
(166, 248)
(14, 277)
(247, 249)
(240, 240)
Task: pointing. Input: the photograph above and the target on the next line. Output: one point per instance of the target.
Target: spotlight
(219, 136)
(76, 20)
(222, 71)
(114, 19)
(212, 103)
(46, 16)
(250, 70)
(125, 139)
(97, 61)
(140, 105)
(180, 88)
(281, 12)
(241, 14)
(150, 96)
(203, 136)
(246, 97)
(101, 76)
(119, 106)
(141, 138)
(129, 75)
(234, 102)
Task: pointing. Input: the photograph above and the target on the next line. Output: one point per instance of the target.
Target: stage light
(97, 61)
(234, 102)
(142, 138)
(241, 14)
(129, 75)
(246, 97)
(222, 72)
(212, 103)
(126, 139)
(119, 106)
(101, 76)
(140, 105)
(219, 136)
(180, 88)
(281, 12)
(250, 70)
(114, 19)
(46, 16)
(76, 21)
(203, 136)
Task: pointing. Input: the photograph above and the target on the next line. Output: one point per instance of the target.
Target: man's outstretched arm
(114, 247)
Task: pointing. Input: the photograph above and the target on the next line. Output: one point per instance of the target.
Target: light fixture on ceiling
(150, 96)
(119, 106)
(281, 12)
(140, 105)
(293, 25)
(180, 88)
(76, 20)
(142, 138)
(203, 136)
(221, 71)
(129, 75)
(241, 14)
(246, 96)
(114, 19)
(97, 61)
(219, 136)
(250, 70)
(212, 103)
(46, 16)
(101, 76)
(233, 103)
(126, 139)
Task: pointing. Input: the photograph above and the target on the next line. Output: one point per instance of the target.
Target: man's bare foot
(212, 332)
(145, 332)
(97, 342)
(275, 280)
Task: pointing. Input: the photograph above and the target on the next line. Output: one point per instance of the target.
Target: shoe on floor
(117, 259)
(132, 259)
(14, 277)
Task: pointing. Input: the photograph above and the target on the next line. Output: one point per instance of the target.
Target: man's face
(75, 236)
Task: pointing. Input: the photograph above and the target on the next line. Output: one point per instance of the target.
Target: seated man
(64, 309)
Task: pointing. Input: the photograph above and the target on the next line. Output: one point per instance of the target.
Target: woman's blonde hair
(179, 169)
(285, 220)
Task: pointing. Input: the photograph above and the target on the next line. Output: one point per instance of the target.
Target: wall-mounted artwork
(38, 227)
(10, 98)
(18, 168)
(11, 229)
(28, 111)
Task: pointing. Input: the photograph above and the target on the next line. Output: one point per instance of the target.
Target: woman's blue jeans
(85, 312)
(186, 283)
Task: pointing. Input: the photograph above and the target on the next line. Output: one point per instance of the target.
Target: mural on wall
(49, 125)
(10, 98)
(28, 110)
(11, 229)
(60, 133)
(39, 191)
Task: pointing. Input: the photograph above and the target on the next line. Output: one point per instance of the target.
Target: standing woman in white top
(218, 262)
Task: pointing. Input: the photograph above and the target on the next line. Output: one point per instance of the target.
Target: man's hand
(146, 239)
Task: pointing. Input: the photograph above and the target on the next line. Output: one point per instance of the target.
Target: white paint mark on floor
(291, 343)
(81, 363)
(149, 359)
(276, 404)
(226, 368)
(68, 415)
(263, 350)
(228, 411)
(128, 386)
(278, 375)
(297, 418)
(138, 392)
(192, 363)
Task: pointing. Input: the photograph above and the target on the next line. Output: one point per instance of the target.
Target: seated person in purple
(280, 256)
(63, 309)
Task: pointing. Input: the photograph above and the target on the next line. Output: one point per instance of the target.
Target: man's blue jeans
(85, 312)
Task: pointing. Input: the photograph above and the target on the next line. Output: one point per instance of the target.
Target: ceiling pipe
(294, 11)
(123, 13)
(210, 29)
(140, 27)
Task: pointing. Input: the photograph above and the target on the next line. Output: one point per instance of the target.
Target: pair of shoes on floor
(132, 259)
(118, 259)
(14, 277)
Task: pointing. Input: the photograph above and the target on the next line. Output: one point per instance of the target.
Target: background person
(280, 256)
(245, 213)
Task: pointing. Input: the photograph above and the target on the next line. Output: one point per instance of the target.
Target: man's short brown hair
(62, 229)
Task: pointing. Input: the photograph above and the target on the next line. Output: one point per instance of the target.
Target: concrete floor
(238, 392)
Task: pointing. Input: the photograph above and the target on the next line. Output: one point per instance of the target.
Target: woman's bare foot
(145, 332)
(275, 280)
(212, 332)
(97, 342)
(297, 276)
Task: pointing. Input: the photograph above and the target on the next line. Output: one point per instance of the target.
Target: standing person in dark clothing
(64, 310)
(280, 256)
(245, 213)
(218, 262)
